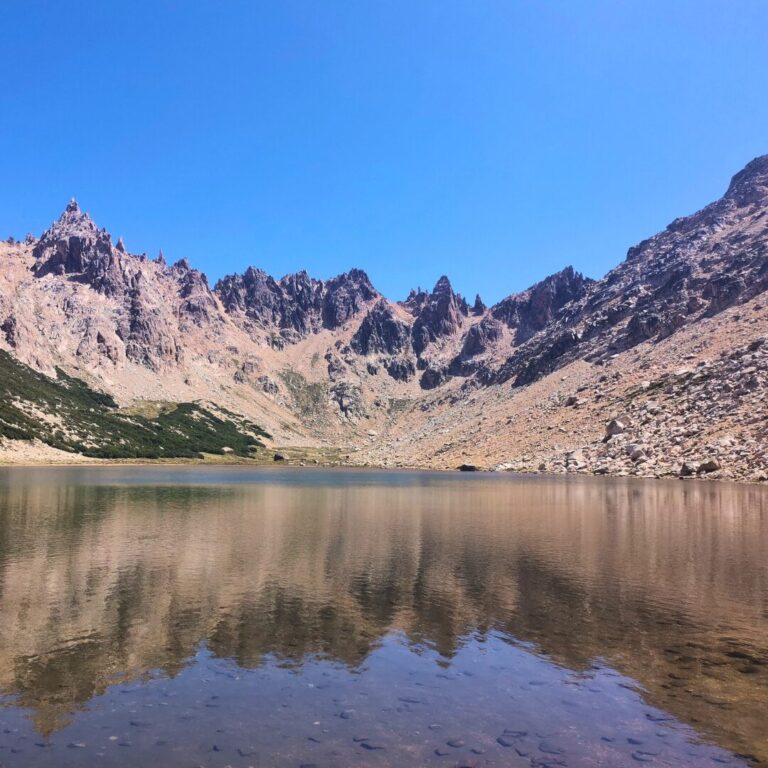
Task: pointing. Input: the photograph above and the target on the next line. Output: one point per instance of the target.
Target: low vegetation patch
(67, 414)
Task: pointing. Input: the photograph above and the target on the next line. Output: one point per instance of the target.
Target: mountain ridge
(142, 329)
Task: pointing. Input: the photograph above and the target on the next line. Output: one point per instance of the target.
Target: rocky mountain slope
(667, 348)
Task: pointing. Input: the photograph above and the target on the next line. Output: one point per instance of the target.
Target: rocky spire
(440, 315)
(478, 307)
(73, 244)
(415, 300)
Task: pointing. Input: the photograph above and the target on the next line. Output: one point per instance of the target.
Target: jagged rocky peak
(415, 301)
(76, 226)
(750, 185)
(478, 307)
(381, 332)
(73, 244)
(150, 307)
(441, 314)
(198, 303)
(345, 296)
(296, 302)
(72, 221)
(256, 296)
(528, 312)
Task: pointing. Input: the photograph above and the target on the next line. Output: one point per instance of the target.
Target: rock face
(198, 305)
(297, 305)
(480, 337)
(480, 340)
(400, 369)
(154, 305)
(348, 398)
(381, 332)
(529, 312)
(438, 314)
(73, 245)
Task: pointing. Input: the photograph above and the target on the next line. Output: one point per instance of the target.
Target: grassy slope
(66, 414)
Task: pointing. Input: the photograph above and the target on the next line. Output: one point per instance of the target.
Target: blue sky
(493, 141)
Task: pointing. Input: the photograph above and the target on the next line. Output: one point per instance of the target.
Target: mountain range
(658, 368)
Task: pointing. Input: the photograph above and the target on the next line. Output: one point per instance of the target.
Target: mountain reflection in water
(113, 576)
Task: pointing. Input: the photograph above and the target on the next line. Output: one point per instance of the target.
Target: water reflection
(110, 576)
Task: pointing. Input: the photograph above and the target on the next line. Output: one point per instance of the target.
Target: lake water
(237, 617)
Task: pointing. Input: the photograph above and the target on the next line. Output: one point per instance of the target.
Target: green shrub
(85, 421)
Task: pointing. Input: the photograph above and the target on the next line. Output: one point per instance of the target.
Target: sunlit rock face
(149, 311)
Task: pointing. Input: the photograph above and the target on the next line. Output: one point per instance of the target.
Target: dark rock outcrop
(480, 337)
(433, 377)
(528, 312)
(336, 367)
(415, 301)
(291, 303)
(345, 296)
(401, 369)
(440, 314)
(297, 302)
(10, 329)
(381, 332)
(478, 340)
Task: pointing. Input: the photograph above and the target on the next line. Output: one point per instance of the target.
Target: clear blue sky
(493, 141)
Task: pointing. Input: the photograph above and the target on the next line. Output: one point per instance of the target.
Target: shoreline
(298, 465)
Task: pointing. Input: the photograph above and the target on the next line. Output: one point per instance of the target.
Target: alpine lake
(316, 618)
